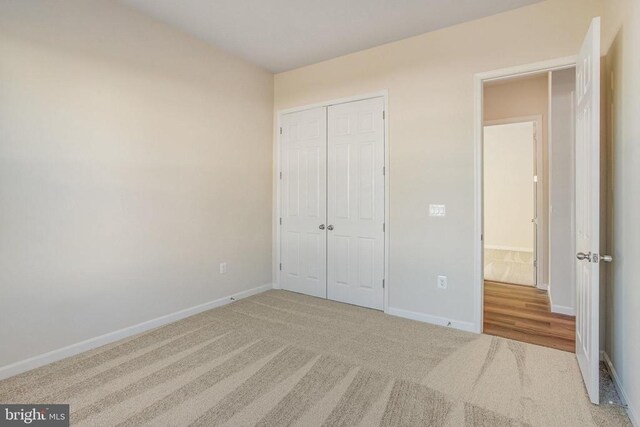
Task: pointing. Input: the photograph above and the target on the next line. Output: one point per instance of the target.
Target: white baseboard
(435, 320)
(73, 349)
(542, 287)
(631, 411)
(508, 248)
(561, 309)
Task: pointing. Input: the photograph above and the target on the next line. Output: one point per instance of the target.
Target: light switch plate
(437, 210)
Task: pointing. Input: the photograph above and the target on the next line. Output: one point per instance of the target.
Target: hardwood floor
(523, 313)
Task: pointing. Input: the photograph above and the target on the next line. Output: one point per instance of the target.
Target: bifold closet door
(304, 202)
(355, 205)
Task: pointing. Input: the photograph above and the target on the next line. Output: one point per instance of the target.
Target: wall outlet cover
(437, 210)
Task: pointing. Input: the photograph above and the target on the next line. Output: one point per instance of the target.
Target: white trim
(478, 124)
(528, 69)
(73, 349)
(276, 220)
(382, 93)
(434, 320)
(511, 120)
(387, 195)
(508, 248)
(563, 309)
(631, 411)
(560, 309)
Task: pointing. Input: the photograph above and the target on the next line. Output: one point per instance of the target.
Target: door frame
(384, 94)
(538, 248)
(478, 202)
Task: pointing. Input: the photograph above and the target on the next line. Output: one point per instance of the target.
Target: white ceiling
(280, 35)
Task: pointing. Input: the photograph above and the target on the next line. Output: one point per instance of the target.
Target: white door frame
(479, 80)
(276, 220)
(538, 169)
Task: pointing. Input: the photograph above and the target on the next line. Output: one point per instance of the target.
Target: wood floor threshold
(545, 341)
(523, 313)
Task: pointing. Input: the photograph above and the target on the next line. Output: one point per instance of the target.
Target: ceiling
(280, 35)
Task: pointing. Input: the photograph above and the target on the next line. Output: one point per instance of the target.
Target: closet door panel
(303, 197)
(355, 203)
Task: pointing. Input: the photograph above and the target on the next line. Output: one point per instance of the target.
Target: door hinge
(382, 283)
(280, 131)
(384, 170)
(384, 227)
(280, 266)
(280, 220)
(280, 175)
(382, 114)
(535, 263)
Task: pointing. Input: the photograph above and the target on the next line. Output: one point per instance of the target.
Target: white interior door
(588, 209)
(304, 202)
(355, 210)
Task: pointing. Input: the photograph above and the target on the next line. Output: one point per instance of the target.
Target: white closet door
(355, 211)
(304, 202)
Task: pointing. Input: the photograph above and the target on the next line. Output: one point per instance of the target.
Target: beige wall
(520, 98)
(133, 160)
(430, 83)
(509, 153)
(621, 41)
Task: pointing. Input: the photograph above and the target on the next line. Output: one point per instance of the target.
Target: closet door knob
(321, 227)
(330, 227)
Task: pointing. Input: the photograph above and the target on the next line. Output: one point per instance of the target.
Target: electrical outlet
(223, 268)
(442, 282)
(437, 210)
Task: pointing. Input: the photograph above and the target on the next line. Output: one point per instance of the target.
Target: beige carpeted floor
(281, 358)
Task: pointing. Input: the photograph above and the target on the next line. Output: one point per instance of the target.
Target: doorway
(525, 169)
(332, 201)
(510, 202)
(581, 119)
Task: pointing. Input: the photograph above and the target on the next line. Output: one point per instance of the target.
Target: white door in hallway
(588, 209)
(303, 197)
(355, 205)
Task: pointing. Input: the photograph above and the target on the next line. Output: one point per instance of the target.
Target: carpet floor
(280, 358)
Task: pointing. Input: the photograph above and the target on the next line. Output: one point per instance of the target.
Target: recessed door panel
(366, 181)
(340, 177)
(355, 203)
(339, 262)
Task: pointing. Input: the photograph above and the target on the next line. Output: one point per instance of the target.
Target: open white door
(304, 202)
(588, 209)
